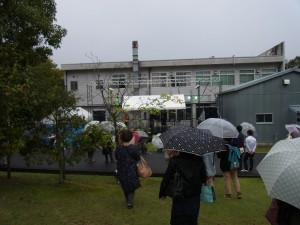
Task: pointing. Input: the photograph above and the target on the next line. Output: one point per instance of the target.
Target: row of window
(186, 114)
(183, 79)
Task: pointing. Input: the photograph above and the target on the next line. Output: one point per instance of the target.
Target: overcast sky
(175, 29)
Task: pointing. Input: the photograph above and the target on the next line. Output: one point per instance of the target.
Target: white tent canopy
(83, 113)
(78, 111)
(153, 101)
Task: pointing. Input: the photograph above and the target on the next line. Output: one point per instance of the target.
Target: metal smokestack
(135, 56)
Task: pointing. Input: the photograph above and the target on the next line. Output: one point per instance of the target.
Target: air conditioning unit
(286, 81)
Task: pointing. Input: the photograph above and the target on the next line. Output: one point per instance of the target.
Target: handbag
(175, 187)
(143, 168)
(272, 212)
(207, 194)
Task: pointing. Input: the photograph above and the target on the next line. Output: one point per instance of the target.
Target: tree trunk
(8, 171)
(61, 163)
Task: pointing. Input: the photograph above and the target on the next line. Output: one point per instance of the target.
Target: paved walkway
(156, 161)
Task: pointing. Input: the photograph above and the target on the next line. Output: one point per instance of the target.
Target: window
(203, 78)
(264, 118)
(188, 112)
(264, 72)
(118, 81)
(74, 85)
(159, 79)
(143, 81)
(246, 75)
(227, 77)
(183, 79)
(99, 84)
(172, 115)
(180, 114)
(267, 72)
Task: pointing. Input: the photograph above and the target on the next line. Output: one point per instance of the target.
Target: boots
(239, 195)
(227, 196)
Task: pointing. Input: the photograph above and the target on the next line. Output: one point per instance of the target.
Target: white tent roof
(78, 111)
(143, 102)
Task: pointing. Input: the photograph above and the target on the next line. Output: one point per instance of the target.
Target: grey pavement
(156, 161)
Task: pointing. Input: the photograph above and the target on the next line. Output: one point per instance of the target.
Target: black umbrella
(190, 140)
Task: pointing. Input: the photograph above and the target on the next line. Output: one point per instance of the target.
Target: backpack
(234, 157)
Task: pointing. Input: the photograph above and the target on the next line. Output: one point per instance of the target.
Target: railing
(168, 82)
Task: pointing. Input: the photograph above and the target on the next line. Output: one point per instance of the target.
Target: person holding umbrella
(185, 210)
(240, 143)
(185, 146)
(228, 173)
(251, 144)
(279, 171)
(287, 213)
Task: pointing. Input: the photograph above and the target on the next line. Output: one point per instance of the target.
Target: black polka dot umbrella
(190, 140)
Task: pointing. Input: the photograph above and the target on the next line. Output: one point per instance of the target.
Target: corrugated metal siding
(267, 97)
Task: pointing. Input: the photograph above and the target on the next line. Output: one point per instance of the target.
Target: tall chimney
(135, 56)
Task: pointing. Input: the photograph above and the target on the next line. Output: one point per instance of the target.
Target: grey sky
(175, 29)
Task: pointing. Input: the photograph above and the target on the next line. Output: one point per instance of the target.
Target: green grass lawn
(34, 198)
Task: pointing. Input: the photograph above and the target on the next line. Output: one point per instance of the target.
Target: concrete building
(199, 80)
(269, 103)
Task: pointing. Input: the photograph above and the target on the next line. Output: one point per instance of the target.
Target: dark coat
(239, 141)
(192, 170)
(127, 158)
(224, 162)
(287, 214)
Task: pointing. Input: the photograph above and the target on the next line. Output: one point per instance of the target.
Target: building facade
(199, 80)
(268, 103)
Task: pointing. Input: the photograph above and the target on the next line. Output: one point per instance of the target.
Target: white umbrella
(92, 123)
(83, 113)
(78, 111)
(109, 126)
(247, 126)
(156, 141)
(142, 133)
(219, 128)
(280, 170)
(292, 127)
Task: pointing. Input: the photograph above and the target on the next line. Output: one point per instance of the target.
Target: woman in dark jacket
(127, 156)
(193, 172)
(287, 214)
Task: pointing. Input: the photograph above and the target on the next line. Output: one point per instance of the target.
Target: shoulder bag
(143, 168)
(175, 187)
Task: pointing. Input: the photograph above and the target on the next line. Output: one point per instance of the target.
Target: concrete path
(156, 161)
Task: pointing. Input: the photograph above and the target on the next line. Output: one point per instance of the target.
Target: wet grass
(34, 198)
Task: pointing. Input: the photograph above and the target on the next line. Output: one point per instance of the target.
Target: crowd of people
(195, 172)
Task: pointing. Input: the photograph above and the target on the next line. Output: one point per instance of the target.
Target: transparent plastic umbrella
(156, 141)
(142, 133)
(247, 126)
(219, 128)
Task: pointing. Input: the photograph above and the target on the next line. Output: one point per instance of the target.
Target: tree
(28, 32)
(27, 36)
(114, 94)
(65, 125)
(293, 62)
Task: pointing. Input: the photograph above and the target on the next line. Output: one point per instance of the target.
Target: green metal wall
(270, 96)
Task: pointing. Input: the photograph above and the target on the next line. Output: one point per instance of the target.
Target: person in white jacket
(250, 144)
